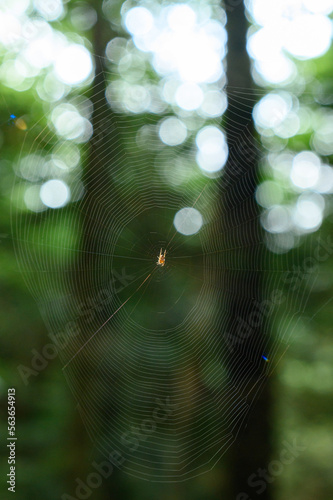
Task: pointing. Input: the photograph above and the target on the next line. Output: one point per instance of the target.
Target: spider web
(145, 348)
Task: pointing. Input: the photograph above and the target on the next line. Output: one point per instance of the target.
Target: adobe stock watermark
(296, 275)
(293, 278)
(260, 479)
(138, 434)
(102, 131)
(246, 327)
(87, 310)
(131, 440)
(101, 471)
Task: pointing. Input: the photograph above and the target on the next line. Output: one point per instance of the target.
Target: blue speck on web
(265, 358)
(12, 117)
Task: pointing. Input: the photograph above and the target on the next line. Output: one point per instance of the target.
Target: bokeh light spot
(55, 193)
(73, 64)
(172, 131)
(212, 149)
(305, 170)
(139, 21)
(188, 221)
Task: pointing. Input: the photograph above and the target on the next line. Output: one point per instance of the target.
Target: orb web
(145, 349)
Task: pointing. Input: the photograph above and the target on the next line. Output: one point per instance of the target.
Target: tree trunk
(241, 226)
(88, 272)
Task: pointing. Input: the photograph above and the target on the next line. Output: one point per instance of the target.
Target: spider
(161, 258)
